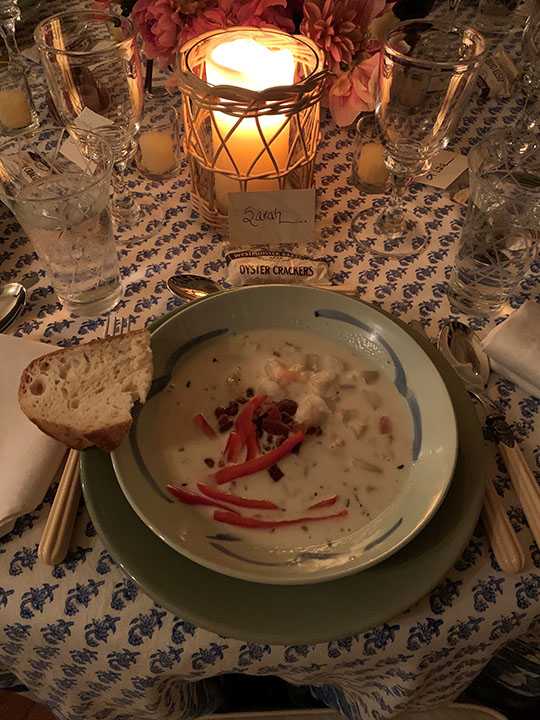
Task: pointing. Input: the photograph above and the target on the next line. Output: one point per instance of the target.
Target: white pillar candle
(157, 152)
(249, 64)
(15, 111)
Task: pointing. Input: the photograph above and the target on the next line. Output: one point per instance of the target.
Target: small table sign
(280, 217)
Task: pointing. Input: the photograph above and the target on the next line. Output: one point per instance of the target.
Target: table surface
(88, 642)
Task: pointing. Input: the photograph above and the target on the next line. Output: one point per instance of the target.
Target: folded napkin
(29, 459)
(514, 348)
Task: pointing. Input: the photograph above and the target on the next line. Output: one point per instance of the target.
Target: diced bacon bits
(275, 427)
(287, 407)
(225, 425)
(275, 473)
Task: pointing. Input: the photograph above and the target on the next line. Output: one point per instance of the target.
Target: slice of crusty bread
(83, 395)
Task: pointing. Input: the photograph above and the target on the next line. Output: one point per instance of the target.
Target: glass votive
(17, 112)
(369, 172)
(158, 143)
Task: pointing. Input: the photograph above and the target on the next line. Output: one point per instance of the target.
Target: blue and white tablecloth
(89, 643)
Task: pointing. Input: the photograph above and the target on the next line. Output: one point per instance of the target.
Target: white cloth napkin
(514, 348)
(29, 459)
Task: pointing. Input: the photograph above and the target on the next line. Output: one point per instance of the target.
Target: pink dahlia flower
(339, 26)
(227, 13)
(354, 91)
(159, 24)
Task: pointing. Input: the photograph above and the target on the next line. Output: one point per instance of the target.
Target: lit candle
(370, 165)
(15, 111)
(249, 64)
(157, 152)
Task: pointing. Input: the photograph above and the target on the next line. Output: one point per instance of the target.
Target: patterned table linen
(88, 642)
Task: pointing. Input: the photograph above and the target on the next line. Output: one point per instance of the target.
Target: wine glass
(10, 14)
(530, 82)
(93, 69)
(426, 75)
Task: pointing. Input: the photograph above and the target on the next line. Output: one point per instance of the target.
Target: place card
(32, 54)
(88, 120)
(499, 73)
(272, 218)
(446, 168)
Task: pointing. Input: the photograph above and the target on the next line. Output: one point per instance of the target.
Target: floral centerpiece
(349, 31)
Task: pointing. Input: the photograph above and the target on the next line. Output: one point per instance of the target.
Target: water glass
(498, 242)
(158, 143)
(427, 73)
(497, 17)
(60, 195)
(17, 112)
(10, 13)
(93, 69)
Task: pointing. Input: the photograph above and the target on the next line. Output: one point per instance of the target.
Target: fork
(58, 530)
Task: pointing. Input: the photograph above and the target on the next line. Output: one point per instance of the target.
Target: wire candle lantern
(251, 107)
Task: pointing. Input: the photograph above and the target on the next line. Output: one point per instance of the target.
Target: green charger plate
(304, 614)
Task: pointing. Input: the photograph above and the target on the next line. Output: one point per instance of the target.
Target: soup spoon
(195, 287)
(13, 299)
(463, 349)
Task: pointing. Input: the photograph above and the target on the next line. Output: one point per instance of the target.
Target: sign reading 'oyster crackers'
(272, 218)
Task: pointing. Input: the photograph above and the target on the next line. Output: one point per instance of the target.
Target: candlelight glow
(248, 64)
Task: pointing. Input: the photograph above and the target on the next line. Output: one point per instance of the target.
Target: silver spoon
(195, 287)
(463, 349)
(13, 299)
(192, 287)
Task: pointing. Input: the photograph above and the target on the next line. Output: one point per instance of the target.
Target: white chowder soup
(353, 460)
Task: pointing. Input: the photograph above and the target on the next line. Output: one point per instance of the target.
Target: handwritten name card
(272, 218)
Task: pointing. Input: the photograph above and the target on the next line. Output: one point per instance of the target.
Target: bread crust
(107, 438)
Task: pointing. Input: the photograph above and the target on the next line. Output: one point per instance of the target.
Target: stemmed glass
(426, 75)
(531, 73)
(10, 13)
(93, 70)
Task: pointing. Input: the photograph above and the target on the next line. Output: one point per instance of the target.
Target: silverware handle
(525, 485)
(502, 536)
(56, 536)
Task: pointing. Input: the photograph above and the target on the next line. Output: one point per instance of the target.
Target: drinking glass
(531, 73)
(158, 143)
(17, 112)
(93, 69)
(369, 173)
(10, 14)
(426, 75)
(498, 242)
(497, 17)
(61, 199)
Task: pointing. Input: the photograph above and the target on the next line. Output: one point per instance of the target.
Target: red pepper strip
(189, 498)
(252, 522)
(245, 427)
(233, 447)
(203, 423)
(324, 503)
(262, 462)
(252, 443)
(216, 494)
